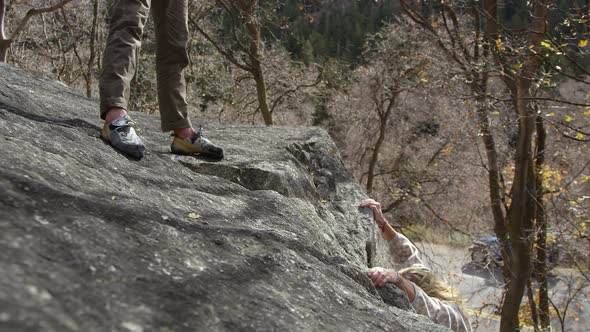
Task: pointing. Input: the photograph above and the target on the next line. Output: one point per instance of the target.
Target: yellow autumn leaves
(552, 178)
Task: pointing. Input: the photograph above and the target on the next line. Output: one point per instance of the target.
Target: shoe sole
(178, 151)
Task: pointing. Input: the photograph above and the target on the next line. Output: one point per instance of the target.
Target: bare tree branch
(317, 81)
(438, 216)
(551, 99)
(235, 23)
(221, 50)
(417, 18)
(36, 11)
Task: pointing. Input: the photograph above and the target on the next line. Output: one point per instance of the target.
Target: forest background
(420, 96)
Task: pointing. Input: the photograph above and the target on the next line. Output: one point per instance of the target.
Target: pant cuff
(108, 103)
(181, 123)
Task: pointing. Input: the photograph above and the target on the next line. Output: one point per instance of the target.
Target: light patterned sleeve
(403, 251)
(444, 313)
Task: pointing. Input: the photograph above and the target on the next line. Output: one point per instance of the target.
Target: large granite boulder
(268, 239)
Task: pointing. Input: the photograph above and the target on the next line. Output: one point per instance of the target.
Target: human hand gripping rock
(376, 209)
(381, 276)
(387, 231)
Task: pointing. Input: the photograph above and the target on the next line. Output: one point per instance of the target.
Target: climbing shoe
(121, 135)
(196, 144)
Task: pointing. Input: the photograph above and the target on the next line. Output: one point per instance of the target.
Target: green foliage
(333, 30)
(315, 31)
(569, 30)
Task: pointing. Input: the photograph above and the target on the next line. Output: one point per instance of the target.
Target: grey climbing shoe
(196, 145)
(121, 135)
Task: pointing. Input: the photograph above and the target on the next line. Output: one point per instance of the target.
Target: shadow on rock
(68, 123)
(395, 297)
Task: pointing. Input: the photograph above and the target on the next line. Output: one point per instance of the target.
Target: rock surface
(268, 239)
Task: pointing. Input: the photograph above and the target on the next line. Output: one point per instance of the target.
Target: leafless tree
(242, 13)
(396, 68)
(514, 220)
(7, 39)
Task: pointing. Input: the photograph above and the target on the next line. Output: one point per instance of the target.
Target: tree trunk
(377, 148)
(541, 267)
(2, 19)
(531, 296)
(495, 190)
(480, 88)
(491, 11)
(538, 33)
(92, 57)
(262, 98)
(4, 41)
(521, 211)
(248, 9)
(375, 156)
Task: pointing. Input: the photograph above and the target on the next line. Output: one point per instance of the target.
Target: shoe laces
(126, 121)
(129, 121)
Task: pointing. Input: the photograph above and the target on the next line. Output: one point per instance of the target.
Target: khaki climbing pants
(120, 56)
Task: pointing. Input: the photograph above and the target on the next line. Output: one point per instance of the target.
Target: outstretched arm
(401, 248)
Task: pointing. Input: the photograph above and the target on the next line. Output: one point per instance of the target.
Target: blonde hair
(431, 284)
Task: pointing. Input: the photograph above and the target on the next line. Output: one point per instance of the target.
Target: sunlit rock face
(268, 239)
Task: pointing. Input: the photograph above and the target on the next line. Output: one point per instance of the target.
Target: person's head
(430, 284)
